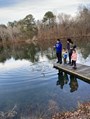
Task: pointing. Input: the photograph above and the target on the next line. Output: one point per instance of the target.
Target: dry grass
(83, 112)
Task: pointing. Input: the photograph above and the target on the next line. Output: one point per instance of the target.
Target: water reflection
(27, 79)
(19, 51)
(32, 86)
(84, 46)
(64, 78)
(73, 83)
(31, 51)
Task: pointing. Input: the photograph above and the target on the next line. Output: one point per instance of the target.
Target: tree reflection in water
(63, 79)
(19, 51)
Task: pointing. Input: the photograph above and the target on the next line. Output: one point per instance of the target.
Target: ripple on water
(26, 77)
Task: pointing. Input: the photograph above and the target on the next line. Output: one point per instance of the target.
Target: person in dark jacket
(58, 47)
(69, 48)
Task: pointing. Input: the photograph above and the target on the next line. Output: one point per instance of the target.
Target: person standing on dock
(64, 55)
(69, 49)
(74, 59)
(58, 47)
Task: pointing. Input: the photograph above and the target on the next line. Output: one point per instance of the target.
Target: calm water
(29, 82)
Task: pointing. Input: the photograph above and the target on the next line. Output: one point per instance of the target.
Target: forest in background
(49, 28)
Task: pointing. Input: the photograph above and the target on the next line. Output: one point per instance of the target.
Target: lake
(29, 82)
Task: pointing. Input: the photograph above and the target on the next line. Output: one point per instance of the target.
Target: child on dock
(74, 59)
(64, 55)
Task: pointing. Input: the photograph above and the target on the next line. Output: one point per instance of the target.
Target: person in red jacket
(74, 58)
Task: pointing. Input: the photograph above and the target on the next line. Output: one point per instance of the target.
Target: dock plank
(82, 71)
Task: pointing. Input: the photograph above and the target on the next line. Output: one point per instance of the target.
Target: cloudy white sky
(11, 10)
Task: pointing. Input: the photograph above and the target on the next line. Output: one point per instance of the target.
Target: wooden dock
(82, 71)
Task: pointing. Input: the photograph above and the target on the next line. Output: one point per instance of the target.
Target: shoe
(71, 64)
(65, 63)
(74, 67)
(57, 61)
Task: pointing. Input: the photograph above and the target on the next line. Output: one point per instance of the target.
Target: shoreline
(82, 112)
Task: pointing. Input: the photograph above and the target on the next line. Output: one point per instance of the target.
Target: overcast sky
(11, 10)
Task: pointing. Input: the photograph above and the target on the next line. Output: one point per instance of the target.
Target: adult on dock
(58, 47)
(69, 48)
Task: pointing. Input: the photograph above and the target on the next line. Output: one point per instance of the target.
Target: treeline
(19, 30)
(49, 28)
